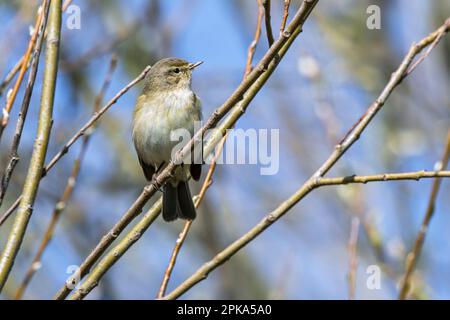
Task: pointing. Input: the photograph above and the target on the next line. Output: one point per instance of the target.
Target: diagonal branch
(245, 92)
(317, 179)
(40, 146)
(266, 5)
(413, 256)
(61, 204)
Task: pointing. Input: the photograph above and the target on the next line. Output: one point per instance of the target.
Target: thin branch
(78, 135)
(287, 3)
(244, 93)
(254, 43)
(183, 234)
(266, 5)
(353, 257)
(68, 190)
(31, 184)
(14, 156)
(11, 97)
(413, 256)
(11, 74)
(312, 183)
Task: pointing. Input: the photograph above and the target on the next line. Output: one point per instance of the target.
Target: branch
(241, 97)
(317, 178)
(353, 257)
(266, 5)
(61, 204)
(40, 146)
(287, 3)
(14, 157)
(413, 256)
(182, 236)
(78, 135)
(11, 97)
(203, 272)
(254, 43)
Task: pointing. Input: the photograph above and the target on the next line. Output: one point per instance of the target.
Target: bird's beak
(194, 65)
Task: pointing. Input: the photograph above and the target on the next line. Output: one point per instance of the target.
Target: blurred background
(334, 70)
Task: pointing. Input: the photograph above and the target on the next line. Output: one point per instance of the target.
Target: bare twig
(353, 257)
(77, 135)
(266, 5)
(247, 89)
(287, 3)
(254, 43)
(413, 256)
(68, 190)
(317, 178)
(31, 184)
(23, 68)
(183, 234)
(14, 157)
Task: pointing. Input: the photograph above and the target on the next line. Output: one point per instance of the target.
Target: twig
(247, 89)
(18, 64)
(183, 234)
(14, 156)
(313, 181)
(23, 68)
(287, 3)
(353, 258)
(31, 184)
(77, 135)
(254, 43)
(266, 5)
(68, 190)
(413, 256)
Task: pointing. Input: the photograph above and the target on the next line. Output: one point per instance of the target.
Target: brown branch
(353, 257)
(266, 5)
(35, 168)
(317, 178)
(183, 234)
(68, 190)
(413, 256)
(77, 135)
(240, 99)
(14, 157)
(287, 3)
(254, 43)
(11, 97)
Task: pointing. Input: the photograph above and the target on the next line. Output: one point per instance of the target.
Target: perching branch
(40, 146)
(317, 178)
(61, 204)
(413, 256)
(14, 156)
(78, 135)
(240, 98)
(183, 234)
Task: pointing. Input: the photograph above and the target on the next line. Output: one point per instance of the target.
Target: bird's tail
(177, 202)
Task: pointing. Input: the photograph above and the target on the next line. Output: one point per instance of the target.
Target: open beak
(194, 65)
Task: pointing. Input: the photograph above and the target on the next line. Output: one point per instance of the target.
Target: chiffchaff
(167, 103)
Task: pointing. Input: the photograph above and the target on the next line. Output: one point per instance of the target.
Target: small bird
(167, 103)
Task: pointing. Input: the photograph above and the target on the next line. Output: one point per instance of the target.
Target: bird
(167, 103)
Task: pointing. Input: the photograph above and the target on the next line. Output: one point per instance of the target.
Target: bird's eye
(176, 70)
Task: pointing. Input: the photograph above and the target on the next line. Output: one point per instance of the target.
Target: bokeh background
(334, 70)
